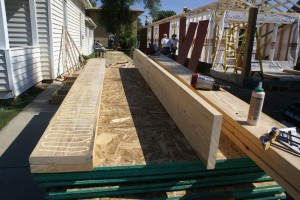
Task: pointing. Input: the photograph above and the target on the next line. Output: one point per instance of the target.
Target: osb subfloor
(135, 129)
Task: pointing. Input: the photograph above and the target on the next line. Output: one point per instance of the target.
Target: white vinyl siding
(77, 22)
(26, 68)
(43, 37)
(74, 23)
(18, 23)
(4, 84)
(57, 24)
(88, 41)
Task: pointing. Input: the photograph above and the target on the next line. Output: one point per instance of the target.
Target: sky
(175, 5)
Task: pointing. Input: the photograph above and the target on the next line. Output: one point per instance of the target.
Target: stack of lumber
(282, 164)
(59, 95)
(140, 153)
(68, 142)
(231, 179)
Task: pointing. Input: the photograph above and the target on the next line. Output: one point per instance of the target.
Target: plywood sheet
(134, 128)
(199, 122)
(69, 138)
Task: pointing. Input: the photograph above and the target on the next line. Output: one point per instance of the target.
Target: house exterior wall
(88, 40)
(18, 23)
(4, 84)
(100, 32)
(26, 68)
(74, 19)
(44, 37)
(20, 66)
(57, 22)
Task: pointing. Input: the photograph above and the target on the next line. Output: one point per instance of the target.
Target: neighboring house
(31, 40)
(100, 32)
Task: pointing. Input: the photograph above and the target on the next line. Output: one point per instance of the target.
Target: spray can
(256, 104)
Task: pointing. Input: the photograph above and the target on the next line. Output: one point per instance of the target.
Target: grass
(9, 108)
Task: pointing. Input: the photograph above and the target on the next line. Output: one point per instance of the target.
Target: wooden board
(186, 44)
(198, 121)
(282, 165)
(135, 128)
(199, 43)
(68, 141)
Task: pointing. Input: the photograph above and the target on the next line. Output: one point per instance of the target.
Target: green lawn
(9, 108)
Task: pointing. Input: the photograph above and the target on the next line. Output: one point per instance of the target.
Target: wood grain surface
(199, 122)
(282, 164)
(68, 141)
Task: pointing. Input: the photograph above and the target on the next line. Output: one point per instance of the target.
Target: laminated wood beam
(282, 165)
(199, 122)
(68, 142)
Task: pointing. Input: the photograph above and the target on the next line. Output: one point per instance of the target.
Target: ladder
(256, 63)
(230, 59)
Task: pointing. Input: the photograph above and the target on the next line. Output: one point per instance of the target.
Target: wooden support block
(68, 141)
(198, 121)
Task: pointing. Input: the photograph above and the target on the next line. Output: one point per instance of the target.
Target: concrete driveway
(17, 141)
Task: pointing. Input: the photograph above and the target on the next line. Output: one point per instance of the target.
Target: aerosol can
(203, 82)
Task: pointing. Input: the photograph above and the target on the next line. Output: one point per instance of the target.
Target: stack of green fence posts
(238, 174)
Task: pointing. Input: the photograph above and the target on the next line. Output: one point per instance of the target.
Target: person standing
(165, 44)
(173, 43)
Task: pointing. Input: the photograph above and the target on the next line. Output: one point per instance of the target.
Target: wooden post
(182, 30)
(246, 67)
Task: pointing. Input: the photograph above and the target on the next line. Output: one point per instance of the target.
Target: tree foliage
(115, 14)
(164, 14)
(153, 6)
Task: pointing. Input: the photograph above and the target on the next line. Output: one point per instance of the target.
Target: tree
(115, 14)
(153, 6)
(164, 14)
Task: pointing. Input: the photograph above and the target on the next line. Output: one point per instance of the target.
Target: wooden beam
(282, 165)
(182, 29)
(199, 43)
(68, 141)
(246, 69)
(186, 45)
(288, 42)
(264, 45)
(198, 121)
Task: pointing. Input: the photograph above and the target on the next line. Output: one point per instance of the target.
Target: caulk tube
(256, 104)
